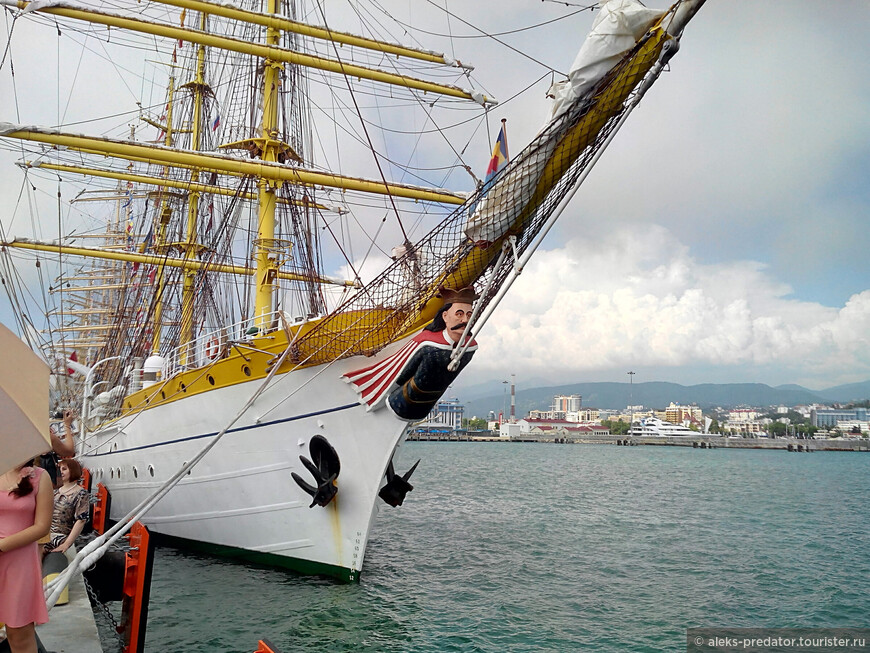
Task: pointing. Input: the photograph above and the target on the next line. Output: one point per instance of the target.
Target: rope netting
(464, 248)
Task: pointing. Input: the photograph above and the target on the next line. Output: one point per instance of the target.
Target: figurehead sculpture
(408, 383)
(411, 381)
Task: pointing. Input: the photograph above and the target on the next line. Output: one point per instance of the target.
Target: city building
(748, 427)
(853, 428)
(677, 414)
(528, 424)
(563, 404)
(830, 417)
(553, 430)
(449, 412)
(446, 417)
(743, 415)
(510, 430)
(582, 415)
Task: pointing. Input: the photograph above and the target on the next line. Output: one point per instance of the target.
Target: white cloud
(637, 298)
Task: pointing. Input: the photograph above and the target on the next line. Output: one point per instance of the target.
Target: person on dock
(62, 446)
(25, 516)
(71, 507)
(65, 446)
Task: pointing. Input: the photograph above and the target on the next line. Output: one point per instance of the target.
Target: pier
(71, 628)
(701, 441)
(713, 442)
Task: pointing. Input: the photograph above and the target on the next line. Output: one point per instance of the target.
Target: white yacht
(655, 427)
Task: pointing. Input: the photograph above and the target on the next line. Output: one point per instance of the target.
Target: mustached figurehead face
(456, 319)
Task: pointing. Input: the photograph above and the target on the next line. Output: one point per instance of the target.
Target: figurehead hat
(462, 296)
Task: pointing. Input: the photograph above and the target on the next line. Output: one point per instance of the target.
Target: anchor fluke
(397, 486)
(324, 469)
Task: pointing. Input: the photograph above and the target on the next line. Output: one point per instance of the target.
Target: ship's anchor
(397, 486)
(324, 469)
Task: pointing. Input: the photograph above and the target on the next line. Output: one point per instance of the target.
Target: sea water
(545, 547)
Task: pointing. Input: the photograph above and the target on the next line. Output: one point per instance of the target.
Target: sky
(723, 235)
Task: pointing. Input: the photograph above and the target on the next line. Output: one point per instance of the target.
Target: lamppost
(631, 398)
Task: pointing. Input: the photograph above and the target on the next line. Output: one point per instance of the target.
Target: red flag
(73, 357)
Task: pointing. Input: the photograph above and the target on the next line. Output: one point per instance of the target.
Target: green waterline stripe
(304, 567)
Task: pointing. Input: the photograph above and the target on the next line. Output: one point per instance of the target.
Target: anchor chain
(116, 629)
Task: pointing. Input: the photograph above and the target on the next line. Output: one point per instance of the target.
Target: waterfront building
(583, 415)
(747, 427)
(449, 412)
(587, 429)
(853, 428)
(677, 414)
(446, 417)
(564, 432)
(830, 417)
(529, 423)
(510, 430)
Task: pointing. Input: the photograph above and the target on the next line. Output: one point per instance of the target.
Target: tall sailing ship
(204, 309)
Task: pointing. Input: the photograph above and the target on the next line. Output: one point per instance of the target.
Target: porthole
(183, 387)
(119, 472)
(151, 470)
(246, 370)
(162, 394)
(210, 379)
(111, 473)
(135, 472)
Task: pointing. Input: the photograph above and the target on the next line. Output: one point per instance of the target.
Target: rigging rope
(365, 130)
(496, 39)
(484, 35)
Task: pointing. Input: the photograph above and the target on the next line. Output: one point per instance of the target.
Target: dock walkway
(71, 628)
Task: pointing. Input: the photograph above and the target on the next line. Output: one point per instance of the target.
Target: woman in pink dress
(26, 502)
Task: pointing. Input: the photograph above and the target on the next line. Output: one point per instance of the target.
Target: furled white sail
(614, 33)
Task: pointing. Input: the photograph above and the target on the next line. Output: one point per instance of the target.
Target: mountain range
(479, 400)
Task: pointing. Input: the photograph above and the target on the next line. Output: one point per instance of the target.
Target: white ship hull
(240, 499)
